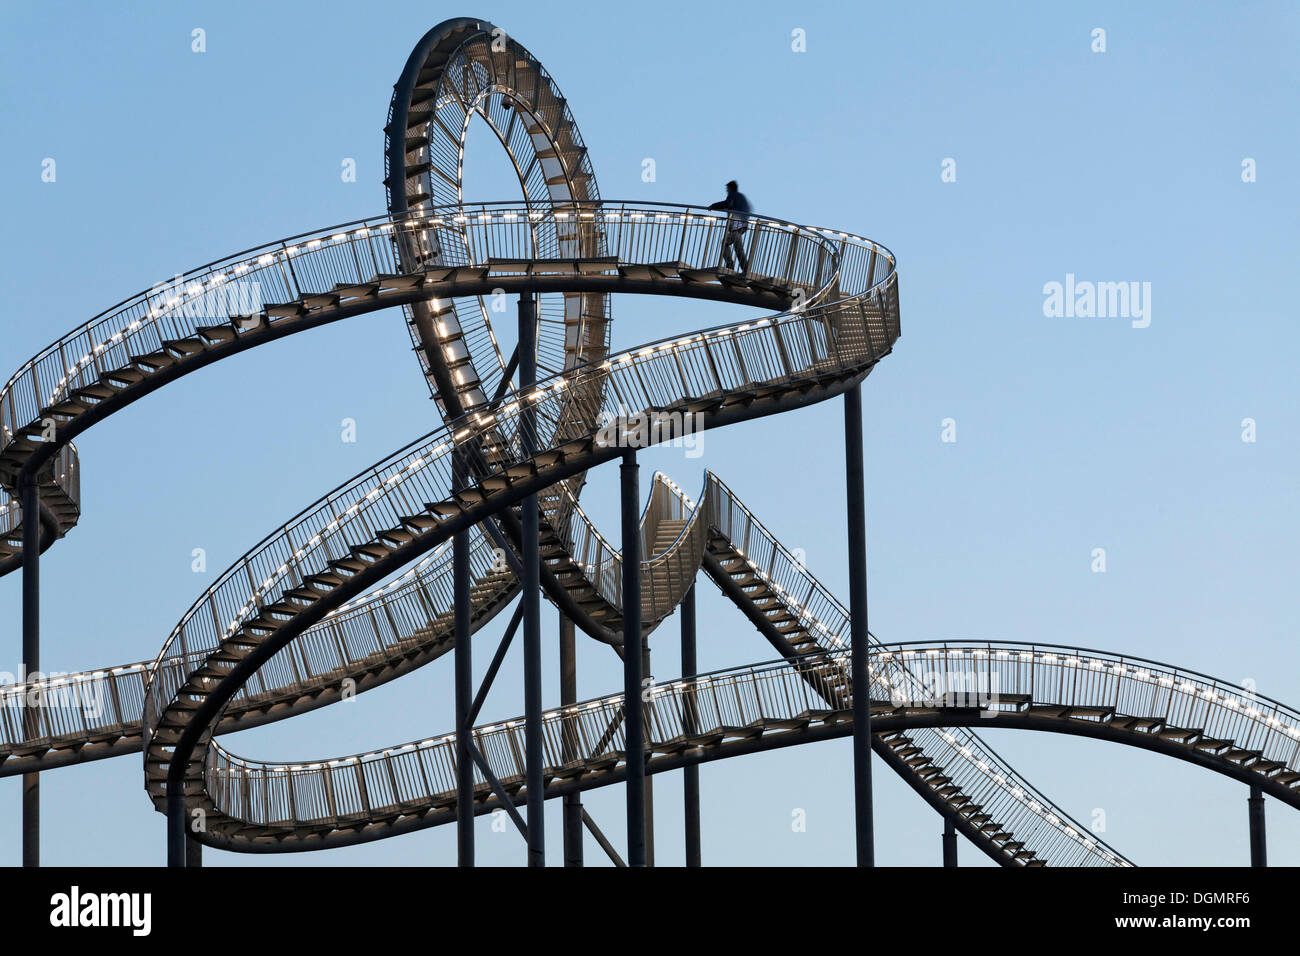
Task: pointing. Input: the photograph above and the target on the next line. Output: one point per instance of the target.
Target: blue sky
(1072, 434)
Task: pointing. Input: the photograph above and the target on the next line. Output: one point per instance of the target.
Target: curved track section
(1046, 687)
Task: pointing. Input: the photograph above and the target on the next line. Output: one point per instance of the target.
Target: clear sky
(1072, 433)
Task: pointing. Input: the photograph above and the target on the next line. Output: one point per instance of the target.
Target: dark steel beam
(1258, 843)
(176, 836)
(690, 718)
(30, 495)
(507, 376)
(602, 839)
(859, 636)
(502, 647)
(573, 811)
(647, 679)
(51, 534)
(464, 667)
(531, 601)
(634, 737)
(498, 789)
(949, 842)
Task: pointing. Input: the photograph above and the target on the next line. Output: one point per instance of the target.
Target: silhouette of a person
(737, 207)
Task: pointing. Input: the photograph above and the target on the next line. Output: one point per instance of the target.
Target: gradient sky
(1072, 434)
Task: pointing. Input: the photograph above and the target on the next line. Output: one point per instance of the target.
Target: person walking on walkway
(737, 207)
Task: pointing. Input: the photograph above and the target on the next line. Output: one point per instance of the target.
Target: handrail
(300, 246)
(792, 697)
(762, 697)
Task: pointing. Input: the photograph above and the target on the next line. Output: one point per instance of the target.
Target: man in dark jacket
(737, 207)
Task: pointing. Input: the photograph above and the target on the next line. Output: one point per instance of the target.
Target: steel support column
(634, 736)
(531, 597)
(691, 772)
(464, 679)
(569, 744)
(177, 838)
(648, 675)
(1258, 844)
(602, 840)
(949, 842)
(857, 522)
(29, 493)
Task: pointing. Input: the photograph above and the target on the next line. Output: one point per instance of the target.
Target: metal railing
(742, 702)
(357, 252)
(768, 698)
(1097, 685)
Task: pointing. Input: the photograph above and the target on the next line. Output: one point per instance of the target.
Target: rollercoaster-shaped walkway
(363, 586)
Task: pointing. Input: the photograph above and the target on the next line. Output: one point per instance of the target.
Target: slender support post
(531, 597)
(193, 852)
(464, 683)
(569, 743)
(691, 772)
(29, 492)
(634, 737)
(949, 842)
(1258, 845)
(498, 659)
(602, 840)
(502, 797)
(857, 521)
(648, 675)
(177, 838)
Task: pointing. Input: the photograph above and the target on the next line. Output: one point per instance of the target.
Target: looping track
(318, 607)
